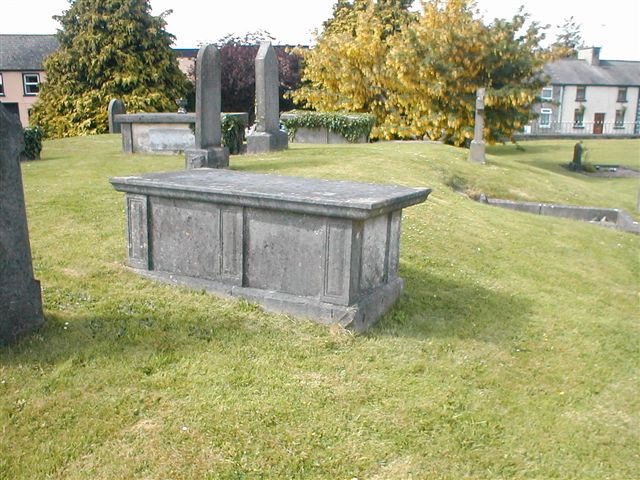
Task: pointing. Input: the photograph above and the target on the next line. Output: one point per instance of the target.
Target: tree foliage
(108, 49)
(237, 58)
(418, 73)
(440, 61)
(345, 71)
(568, 40)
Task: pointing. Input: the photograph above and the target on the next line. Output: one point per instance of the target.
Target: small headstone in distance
(576, 163)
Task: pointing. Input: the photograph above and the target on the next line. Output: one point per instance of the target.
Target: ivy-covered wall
(351, 126)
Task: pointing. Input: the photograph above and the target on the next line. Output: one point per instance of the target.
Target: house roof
(572, 71)
(25, 52)
(186, 52)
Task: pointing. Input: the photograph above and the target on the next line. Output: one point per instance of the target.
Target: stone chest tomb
(325, 250)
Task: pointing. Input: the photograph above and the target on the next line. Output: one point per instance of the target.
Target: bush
(32, 143)
(232, 133)
(351, 126)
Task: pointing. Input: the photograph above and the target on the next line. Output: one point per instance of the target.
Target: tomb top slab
(332, 198)
(155, 118)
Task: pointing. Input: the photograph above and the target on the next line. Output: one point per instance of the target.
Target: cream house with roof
(589, 96)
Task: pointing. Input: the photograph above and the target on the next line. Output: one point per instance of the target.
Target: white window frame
(579, 124)
(545, 111)
(623, 113)
(25, 84)
(547, 97)
(1, 86)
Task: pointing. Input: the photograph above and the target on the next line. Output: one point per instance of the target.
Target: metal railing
(585, 128)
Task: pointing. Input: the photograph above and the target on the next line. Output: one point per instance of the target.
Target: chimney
(591, 55)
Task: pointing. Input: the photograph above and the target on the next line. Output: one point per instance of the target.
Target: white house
(589, 96)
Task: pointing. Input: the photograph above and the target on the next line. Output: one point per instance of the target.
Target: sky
(612, 25)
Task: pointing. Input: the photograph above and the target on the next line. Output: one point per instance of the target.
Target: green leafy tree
(108, 49)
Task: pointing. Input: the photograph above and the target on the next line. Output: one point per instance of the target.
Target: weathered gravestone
(477, 150)
(20, 300)
(576, 163)
(208, 151)
(116, 107)
(267, 135)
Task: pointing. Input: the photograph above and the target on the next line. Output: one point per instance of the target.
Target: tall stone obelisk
(20, 298)
(267, 135)
(208, 151)
(477, 150)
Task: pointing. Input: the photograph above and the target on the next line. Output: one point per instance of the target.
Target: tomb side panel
(137, 230)
(185, 237)
(231, 232)
(140, 138)
(395, 223)
(284, 251)
(337, 261)
(127, 137)
(357, 234)
(374, 252)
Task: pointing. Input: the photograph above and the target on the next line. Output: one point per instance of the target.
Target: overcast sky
(612, 25)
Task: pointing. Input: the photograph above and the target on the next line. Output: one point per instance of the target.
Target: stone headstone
(477, 150)
(267, 135)
(116, 107)
(576, 163)
(20, 300)
(208, 151)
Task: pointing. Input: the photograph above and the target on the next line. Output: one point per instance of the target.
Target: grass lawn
(513, 353)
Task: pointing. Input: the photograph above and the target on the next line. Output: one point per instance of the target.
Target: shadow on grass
(431, 306)
(434, 306)
(130, 336)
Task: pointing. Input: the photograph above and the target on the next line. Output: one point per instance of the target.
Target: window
(545, 118)
(578, 118)
(31, 83)
(619, 118)
(1, 86)
(547, 93)
(581, 94)
(622, 94)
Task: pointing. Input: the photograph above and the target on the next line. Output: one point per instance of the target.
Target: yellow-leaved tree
(345, 71)
(442, 59)
(419, 77)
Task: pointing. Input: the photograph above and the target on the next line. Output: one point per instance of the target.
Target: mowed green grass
(513, 353)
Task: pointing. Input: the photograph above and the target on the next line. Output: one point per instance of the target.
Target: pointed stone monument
(267, 135)
(477, 150)
(20, 299)
(208, 151)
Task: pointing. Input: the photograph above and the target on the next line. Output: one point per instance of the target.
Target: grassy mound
(512, 353)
